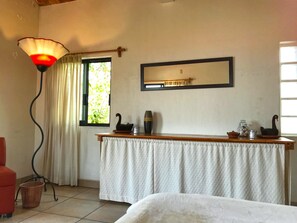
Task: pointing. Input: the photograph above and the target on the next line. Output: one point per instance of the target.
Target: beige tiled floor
(75, 204)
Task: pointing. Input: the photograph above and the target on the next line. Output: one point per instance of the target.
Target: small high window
(288, 88)
(96, 92)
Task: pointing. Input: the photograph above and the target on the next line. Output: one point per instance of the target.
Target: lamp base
(38, 177)
(42, 179)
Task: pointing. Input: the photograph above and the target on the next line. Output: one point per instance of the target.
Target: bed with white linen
(174, 207)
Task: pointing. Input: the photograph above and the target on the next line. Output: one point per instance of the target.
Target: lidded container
(243, 128)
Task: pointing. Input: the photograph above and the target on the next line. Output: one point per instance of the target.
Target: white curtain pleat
(62, 115)
(237, 170)
(132, 168)
(126, 170)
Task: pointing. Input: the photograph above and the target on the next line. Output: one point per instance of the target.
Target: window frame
(85, 92)
(283, 99)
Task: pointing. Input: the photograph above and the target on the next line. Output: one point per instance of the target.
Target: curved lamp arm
(39, 127)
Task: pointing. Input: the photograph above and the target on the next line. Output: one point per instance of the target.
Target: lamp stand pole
(37, 175)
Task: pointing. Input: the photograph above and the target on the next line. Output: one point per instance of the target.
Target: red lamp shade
(43, 59)
(43, 52)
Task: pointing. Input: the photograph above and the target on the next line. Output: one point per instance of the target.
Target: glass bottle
(243, 128)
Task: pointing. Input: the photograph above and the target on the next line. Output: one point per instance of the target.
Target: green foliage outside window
(96, 92)
(99, 90)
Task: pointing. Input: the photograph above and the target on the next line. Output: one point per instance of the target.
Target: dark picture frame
(187, 74)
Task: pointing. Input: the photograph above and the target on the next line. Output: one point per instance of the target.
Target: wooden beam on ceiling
(51, 2)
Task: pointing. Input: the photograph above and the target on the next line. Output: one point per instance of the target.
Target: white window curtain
(62, 115)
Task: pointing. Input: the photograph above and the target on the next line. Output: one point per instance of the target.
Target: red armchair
(7, 183)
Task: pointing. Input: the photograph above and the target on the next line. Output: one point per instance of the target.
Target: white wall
(18, 18)
(250, 31)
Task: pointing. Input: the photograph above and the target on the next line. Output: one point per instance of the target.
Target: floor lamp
(44, 53)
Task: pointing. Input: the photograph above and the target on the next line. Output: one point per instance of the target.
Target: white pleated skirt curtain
(131, 169)
(62, 115)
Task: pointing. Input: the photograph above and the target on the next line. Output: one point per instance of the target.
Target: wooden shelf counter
(133, 166)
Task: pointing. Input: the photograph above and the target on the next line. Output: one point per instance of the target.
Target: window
(96, 92)
(288, 87)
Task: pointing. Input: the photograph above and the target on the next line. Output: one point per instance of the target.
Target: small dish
(233, 134)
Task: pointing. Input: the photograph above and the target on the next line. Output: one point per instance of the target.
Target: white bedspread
(188, 208)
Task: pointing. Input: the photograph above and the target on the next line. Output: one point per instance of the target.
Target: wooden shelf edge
(289, 144)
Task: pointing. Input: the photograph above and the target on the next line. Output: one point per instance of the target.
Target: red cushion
(7, 176)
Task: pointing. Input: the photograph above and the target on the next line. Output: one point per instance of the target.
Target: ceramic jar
(243, 129)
